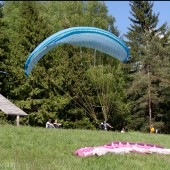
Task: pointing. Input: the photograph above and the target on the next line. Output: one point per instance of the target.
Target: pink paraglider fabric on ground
(122, 148)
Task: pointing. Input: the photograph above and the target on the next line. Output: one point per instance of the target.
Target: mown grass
(29, 148)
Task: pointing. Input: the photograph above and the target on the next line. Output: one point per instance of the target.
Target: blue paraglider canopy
(89, 37)
(4, 72)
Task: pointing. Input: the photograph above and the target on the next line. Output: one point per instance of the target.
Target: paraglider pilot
(104, 126)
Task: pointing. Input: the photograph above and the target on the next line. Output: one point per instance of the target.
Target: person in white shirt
(49, 124)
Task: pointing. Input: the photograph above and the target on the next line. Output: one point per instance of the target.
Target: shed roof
(9, 108)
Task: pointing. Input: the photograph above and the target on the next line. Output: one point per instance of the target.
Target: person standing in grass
(152, 129)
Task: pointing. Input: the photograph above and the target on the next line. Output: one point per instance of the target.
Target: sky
(120, 11)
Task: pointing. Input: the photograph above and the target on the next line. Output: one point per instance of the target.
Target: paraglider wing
(4, 72)
(119, 147)
(90, 37)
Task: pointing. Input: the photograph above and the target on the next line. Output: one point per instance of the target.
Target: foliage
(147, 84)
(149, 52)
(60, 85)
(3, 118)
(143, 19)
(58, 82)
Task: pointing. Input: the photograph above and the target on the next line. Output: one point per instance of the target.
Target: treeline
(80, 86)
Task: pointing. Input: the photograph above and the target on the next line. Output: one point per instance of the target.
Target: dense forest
(82, 87)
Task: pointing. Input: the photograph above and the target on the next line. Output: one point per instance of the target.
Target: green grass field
(29, 148)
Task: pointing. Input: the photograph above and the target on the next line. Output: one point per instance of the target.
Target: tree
(147, 85)
(4, 49)
(24, 35)
(59, 79)
(143, 19)
(77, 14)
(143, 88)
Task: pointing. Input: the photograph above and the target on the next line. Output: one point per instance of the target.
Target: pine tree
(4, 49)
(143, 88)
(28, 30)
(143, 19)
(147, 86)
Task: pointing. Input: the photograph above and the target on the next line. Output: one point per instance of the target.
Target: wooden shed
(10, 109)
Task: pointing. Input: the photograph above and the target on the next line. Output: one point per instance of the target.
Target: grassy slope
(40, 148)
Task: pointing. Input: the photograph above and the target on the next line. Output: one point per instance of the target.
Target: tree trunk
(95, 58)
(149, 97)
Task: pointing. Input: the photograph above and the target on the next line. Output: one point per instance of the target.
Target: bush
(3, 118)
(78, 124)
